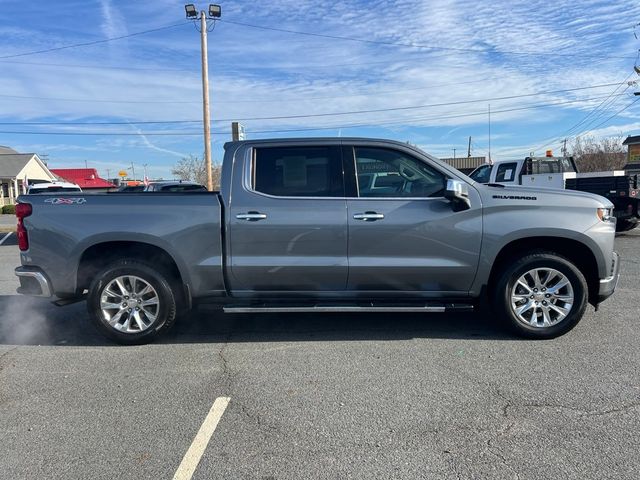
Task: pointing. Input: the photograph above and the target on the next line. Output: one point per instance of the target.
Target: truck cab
(540, 172)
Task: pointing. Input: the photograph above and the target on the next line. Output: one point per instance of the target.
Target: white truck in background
(619, 186)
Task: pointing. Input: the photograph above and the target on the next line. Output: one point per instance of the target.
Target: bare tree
(193, 168)
(593, 155)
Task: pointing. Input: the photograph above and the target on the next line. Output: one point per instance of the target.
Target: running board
(349, 308)
(63, 302)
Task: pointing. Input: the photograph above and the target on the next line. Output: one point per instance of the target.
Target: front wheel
(541, 295)
(131, 302)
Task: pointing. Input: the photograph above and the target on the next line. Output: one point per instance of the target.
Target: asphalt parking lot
(321, 396)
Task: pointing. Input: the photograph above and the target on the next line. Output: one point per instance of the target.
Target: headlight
(605, 214)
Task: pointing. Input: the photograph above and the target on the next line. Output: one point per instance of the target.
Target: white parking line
(5, 237)
(200, 442)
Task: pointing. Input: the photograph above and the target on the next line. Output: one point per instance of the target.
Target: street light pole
(205, 99)
(192, 14)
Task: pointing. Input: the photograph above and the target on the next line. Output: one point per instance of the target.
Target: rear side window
(506, 172)
(298, 171)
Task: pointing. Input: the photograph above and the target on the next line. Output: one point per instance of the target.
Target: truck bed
(606, 186)
(65, 228)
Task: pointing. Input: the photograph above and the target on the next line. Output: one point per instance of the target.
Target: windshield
(481, 174)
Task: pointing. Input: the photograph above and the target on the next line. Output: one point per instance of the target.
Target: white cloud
(256, 73)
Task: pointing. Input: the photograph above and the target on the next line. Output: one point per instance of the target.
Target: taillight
(22, 210)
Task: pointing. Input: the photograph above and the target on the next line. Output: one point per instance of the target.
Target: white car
(53, 187)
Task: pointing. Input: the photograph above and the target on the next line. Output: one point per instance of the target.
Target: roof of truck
(317, 139)
(320, 140)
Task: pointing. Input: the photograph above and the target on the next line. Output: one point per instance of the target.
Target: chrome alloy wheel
(129, 304)
(542, 297)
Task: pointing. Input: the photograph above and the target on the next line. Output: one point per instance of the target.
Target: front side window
(482, 174)
(298, 171)
(506, 172)
(389, 173)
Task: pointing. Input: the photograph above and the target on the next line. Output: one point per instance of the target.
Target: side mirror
(457, 193)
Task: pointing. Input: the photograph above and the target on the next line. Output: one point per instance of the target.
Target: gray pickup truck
(322, 225)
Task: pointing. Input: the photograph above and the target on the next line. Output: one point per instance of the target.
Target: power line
(415, 45)
(429, 118)
(94, 42)
(415, 107)
(306, 129)
(327, 97)
(601, 105)
(379, 92)
(611, 117)
(328, 114)
(99, 67)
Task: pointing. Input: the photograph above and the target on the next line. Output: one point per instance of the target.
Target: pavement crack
(4, 355)
(256, 418)
(226, 372)
(579, 411)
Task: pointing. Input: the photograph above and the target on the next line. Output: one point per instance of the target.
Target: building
(17, 170)
(633, 152)
(465, 164)
(86, 178)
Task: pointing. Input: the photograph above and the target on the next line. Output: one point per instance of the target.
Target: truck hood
(519, 194)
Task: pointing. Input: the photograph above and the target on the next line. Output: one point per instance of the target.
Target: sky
(425, 72)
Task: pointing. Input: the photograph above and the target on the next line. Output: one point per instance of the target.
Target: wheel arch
(97, 256)
(573, 250)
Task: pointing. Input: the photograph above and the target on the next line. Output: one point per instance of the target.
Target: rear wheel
(131, 302)
(541, 295)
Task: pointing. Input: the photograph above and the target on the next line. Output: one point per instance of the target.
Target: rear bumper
(608, 285)
(34, 282)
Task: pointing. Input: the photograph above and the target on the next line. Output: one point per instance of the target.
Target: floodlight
(191, 11)
(215, 11)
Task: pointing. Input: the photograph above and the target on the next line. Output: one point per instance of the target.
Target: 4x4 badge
(66, 201)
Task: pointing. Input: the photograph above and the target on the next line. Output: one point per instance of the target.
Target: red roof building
(85, 178)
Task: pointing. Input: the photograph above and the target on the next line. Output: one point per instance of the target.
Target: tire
(131, 302)
(561, 315)
(626, 224)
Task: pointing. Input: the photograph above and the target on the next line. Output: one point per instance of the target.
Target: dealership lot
(321, 396)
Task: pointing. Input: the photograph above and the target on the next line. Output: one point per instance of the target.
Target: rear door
(403, 234)
(287, 220)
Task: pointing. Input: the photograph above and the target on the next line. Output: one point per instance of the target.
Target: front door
(403, 234)
(288, 221)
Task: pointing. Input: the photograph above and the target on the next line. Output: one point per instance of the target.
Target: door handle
(368, 216)
(251, 216)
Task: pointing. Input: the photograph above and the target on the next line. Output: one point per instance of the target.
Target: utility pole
(490, 161)
(454, 153)
(108, 173)
(192, 14)
(133, 171)
(564, 148)
(205, 100)
(469, 148)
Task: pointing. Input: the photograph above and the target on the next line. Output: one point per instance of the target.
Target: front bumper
(33, 282)
(608, 285)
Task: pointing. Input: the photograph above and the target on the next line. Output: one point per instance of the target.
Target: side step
(430, 308)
